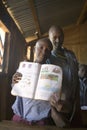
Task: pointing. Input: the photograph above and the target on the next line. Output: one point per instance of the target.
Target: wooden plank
(83, 16)
(9, 125)
(32, 7)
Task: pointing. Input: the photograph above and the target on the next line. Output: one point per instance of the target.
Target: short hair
(47, 41)
(59, 30)
(82, 65)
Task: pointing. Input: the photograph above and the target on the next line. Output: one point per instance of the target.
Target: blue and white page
(50, 81)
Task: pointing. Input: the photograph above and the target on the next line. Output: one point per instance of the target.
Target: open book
(38, 81)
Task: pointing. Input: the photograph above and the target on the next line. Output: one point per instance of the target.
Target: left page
(27, 85)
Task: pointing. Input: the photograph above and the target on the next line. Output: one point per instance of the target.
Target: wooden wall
(76, 40)
(16, 54)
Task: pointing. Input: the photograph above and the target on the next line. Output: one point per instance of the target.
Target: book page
(27, 85)
(50, 81)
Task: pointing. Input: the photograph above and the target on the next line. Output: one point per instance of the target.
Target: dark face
(54, 37)
(81, 72)
(42, 51)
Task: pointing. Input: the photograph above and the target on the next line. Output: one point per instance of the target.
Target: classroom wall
(76, 40)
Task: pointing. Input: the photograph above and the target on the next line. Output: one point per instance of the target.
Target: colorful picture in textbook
(50, 81)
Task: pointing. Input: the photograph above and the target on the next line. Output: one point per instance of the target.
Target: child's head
(82, 70)
(43, 49)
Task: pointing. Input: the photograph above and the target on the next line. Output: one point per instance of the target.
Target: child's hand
(16, 77)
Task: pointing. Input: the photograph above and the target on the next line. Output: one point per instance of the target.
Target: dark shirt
(83, 91)
(70, 88)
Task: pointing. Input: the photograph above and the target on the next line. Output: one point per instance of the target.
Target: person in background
(30, 111)
(83, 84)
(64, 110)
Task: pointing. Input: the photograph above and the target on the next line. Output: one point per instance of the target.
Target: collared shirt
(31, 110)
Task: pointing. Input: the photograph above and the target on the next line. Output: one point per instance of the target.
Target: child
(28, 110)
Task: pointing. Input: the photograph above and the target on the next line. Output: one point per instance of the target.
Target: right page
(50, 81)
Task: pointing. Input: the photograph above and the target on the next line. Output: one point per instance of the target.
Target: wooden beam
(32, 7)
(3, 26)
(32, 38)
(83, 15)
